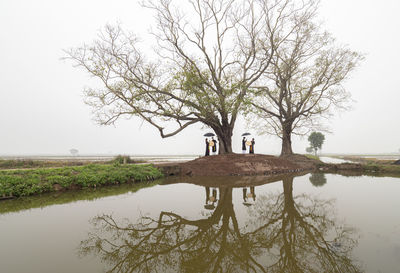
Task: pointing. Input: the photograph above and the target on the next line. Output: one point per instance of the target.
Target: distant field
(367, 156)
(148, 158)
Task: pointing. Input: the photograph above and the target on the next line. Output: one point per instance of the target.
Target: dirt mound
(244, 164)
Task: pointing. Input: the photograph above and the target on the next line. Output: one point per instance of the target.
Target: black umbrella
(246, 134)
(209, 134)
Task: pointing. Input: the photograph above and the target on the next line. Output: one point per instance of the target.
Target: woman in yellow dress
(251, 150)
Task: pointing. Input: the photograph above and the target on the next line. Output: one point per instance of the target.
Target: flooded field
(309, 223)
(94, 158)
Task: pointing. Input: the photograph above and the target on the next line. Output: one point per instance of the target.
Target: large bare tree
(306, 76)
(207, 56)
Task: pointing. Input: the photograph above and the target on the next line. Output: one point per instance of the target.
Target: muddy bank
(268, 165)
(241, 165)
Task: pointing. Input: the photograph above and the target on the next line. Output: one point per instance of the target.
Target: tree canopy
(316, 140)
(307, 71)
(208, 54)
(209, 61)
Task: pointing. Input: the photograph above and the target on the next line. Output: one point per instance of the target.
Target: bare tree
(307, 72)
(208, 55)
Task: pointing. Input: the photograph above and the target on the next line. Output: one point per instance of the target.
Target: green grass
(312, 157)
(53, 198)
(35, 181)
(385, 168)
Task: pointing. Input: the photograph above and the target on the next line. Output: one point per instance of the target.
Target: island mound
(246, 164)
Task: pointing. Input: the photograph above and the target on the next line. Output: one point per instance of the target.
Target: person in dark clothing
(245, 195)
(207, 147)
(253, 193)
(244, 145)
(214, 147)
(251, 150)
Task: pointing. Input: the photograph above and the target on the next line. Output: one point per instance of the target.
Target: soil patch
(246, 164)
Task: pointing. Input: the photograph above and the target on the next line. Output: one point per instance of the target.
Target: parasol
(246, 134)
(209, 135)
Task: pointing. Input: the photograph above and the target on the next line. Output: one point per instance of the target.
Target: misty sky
(41, 100)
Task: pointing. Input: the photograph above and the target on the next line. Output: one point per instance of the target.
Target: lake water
(309, 223)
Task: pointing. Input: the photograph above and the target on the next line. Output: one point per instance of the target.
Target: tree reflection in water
(284, 234)
(317, 179)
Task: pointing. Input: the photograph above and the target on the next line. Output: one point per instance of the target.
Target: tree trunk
(225, 145)
(225, 140)
(287, 140)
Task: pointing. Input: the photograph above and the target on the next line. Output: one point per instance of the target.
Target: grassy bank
(56, 198)
(312, 157)
(35, 181)
(381, 168)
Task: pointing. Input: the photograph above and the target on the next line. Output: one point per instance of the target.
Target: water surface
(311, 223)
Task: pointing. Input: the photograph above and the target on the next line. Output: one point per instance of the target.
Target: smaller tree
(316, 140)
(74, 152)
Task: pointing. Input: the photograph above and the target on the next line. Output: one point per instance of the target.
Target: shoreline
(27, 182)
(34, 181)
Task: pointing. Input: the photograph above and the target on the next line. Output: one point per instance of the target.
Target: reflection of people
(214, 195)
(207, 147)
(253, 193)
(246, 196)
(251, 150)
(244, 145)
(214, 147)
(210, 199)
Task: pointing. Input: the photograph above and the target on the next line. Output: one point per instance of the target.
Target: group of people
(212, 197)
(246, 143)
(211, 144)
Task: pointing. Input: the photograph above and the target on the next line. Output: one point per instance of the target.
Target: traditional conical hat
(248, 143)
(211, 143)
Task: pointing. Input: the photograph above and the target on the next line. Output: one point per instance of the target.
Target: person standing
(207, 147)
(251, 150)
(244, 145)
(253, 193)
(214, 147)
(244, 195)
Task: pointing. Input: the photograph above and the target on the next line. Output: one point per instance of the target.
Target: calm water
(311, 223)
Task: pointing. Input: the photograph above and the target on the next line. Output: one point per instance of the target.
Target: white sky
(41, 103)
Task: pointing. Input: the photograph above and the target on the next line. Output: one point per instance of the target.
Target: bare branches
(308, 68)
(210, 58)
